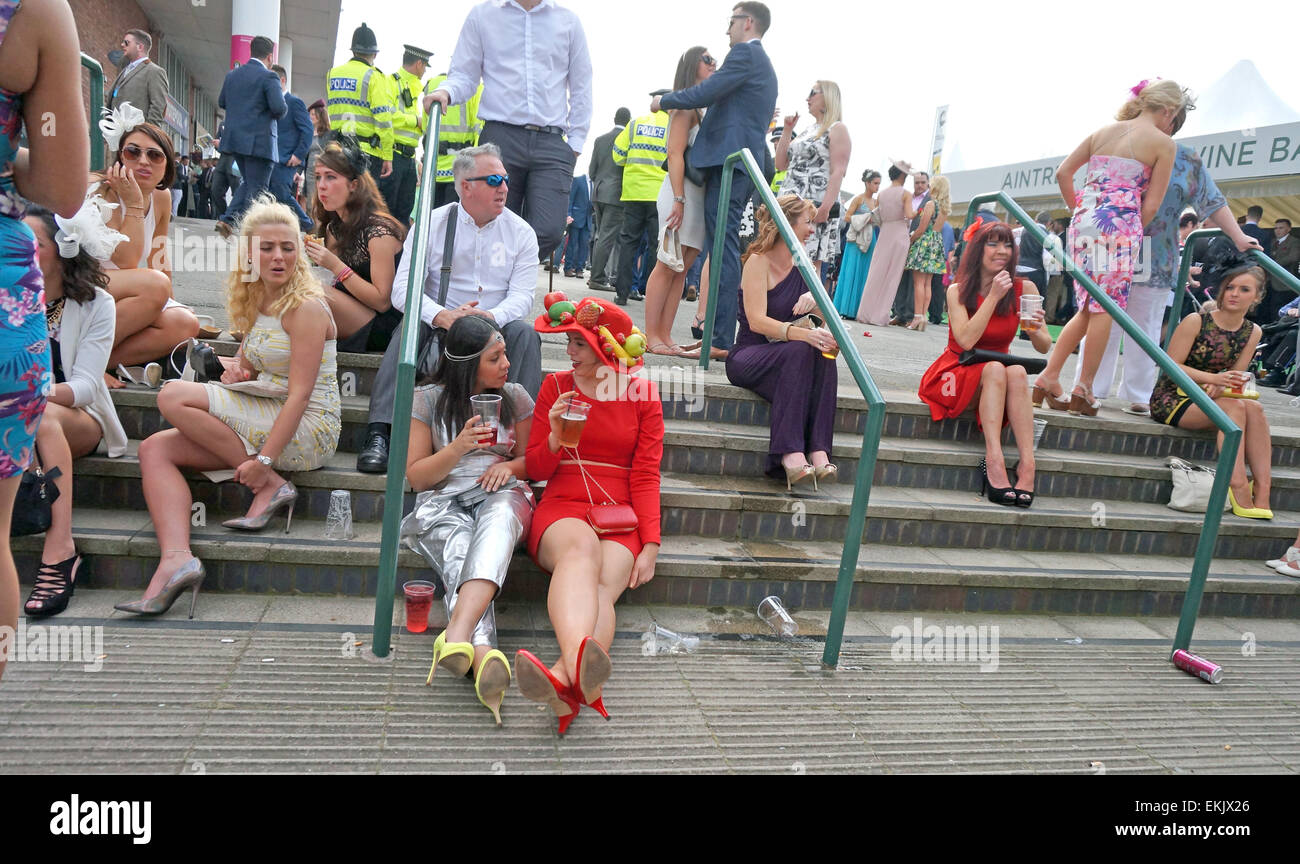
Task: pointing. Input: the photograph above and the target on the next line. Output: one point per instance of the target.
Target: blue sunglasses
(493, 180)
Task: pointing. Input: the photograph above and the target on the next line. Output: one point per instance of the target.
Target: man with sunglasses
(741, 97)
(141, 82)
(532, 58)
(493, 274)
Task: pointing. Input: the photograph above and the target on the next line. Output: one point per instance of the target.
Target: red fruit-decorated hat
(608, 329)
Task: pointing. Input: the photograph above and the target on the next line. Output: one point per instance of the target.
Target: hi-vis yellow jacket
(458, 130)
(361, 104)
(641, 149)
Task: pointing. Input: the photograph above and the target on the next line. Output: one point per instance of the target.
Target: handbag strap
(444, 272)
(585, 476)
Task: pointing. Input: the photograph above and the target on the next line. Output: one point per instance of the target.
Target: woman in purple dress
(786, 364)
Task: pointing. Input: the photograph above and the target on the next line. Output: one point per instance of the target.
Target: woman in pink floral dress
(1129, 164)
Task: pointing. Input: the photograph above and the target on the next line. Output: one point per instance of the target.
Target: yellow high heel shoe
(492, 681)
(455, 657)
(1248, 512)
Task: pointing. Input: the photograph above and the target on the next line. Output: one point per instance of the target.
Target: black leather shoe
(621, 301)
(1293, 389)
(1275, 378)
(373, 458)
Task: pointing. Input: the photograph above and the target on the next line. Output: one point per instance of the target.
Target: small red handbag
(610, 517)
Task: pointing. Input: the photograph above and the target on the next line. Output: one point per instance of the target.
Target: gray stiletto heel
(190, 575)
(285, 497)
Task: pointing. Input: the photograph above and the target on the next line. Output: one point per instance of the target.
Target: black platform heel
(1005, 496)
(54, 586)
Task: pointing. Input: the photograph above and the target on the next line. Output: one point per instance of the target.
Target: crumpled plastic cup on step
(338, 522)
(772, 611)
(661, 640)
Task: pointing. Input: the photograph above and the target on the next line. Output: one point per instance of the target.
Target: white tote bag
(1192, 484)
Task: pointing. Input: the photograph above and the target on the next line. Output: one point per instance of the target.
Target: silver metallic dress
(463, 540)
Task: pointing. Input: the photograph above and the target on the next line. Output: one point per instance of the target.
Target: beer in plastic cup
(1029, 305)
(572, 421)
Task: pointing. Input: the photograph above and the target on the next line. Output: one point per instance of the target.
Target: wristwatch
(265, 460)
(680, 199)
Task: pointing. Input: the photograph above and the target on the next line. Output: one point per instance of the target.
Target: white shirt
(529, 63)
(495, 265)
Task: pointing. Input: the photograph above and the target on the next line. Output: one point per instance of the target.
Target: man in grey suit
(141, 82)
(607, 178)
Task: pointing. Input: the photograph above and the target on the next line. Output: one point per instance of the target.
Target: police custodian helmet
(363, 40)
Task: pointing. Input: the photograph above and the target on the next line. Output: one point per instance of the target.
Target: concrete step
(122, 552)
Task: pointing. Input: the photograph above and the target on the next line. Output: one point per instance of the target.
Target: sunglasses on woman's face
(708, 61)
(493, 180)
(134, 152)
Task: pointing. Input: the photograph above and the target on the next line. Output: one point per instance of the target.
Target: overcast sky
(1076, 62)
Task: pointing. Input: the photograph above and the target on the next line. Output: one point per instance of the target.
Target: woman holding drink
(985, 304)
(596, 530)
(469, 429)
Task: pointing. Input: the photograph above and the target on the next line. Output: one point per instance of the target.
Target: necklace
(53, 316)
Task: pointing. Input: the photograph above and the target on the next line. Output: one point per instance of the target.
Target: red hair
(970, 267)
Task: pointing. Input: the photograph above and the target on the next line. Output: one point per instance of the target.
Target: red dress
(628, 433)
(947, 386)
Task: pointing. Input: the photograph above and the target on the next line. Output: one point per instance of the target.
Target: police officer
(361, 105)
(460, 129)
(641, 149)
(408, 127)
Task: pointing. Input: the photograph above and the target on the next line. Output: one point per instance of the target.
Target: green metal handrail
(1185, 268)
(399, 438)
(866, 385)
(96, 102)
(1231, 433)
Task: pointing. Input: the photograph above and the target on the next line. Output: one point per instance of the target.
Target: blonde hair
(767, 234)
(834, 111)
(940, 195)
(1155, 96)
(244, 294)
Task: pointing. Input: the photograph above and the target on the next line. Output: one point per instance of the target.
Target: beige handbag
(1192, 484)
(670, 250)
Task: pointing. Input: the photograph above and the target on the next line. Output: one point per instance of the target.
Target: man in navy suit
(294, 134)
(1251, 229)
(253, 102)
(741, 97)
(578, 242)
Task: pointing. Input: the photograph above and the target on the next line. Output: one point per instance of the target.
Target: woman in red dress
(984, 311)
(620, 449)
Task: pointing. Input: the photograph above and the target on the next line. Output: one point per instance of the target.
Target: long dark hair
(688, 68)
(82, 273)
(972, 259)
(364, 202)
(470, 334)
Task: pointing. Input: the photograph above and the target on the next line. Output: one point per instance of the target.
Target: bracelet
(680, 199)
(344, 274)
(785, 332)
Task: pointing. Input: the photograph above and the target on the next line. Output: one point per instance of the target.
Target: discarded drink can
(1198, 666)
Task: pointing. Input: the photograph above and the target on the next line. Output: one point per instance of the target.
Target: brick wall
(100, 25)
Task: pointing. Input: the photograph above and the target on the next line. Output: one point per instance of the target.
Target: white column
(249, 18)
(285, 58)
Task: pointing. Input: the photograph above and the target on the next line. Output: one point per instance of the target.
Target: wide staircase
(1098, 540)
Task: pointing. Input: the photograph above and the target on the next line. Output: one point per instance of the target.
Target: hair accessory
(496, 337)
(119, 121)
(1136, 89)
(351, 149)
(972, 229)
(88, 229)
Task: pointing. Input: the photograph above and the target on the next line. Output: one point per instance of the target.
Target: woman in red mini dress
(621, 448)
(983, 312)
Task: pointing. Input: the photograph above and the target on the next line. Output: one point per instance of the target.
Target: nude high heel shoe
(189, 576)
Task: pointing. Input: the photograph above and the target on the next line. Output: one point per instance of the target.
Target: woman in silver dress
(474, 503)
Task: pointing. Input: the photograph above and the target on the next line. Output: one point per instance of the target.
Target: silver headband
(497, 337)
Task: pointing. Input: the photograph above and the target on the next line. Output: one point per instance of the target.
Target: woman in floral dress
(815, 163)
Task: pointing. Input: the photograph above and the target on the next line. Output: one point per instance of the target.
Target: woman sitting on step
(984, 313)
(79, 416)
(362, 244)
(1215, 350)
(593, 551)
(783, 358)
(278, 408)
(474, 503)
(150, 323)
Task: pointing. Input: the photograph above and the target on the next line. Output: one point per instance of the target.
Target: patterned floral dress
(1106, 232)
(251, 415)
(808, 175)
(926, 254)
(25, 379)
(1214, 350)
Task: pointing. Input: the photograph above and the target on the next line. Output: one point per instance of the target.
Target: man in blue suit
(253, 102)
(741, 97)
(294, 134)
(578, 243)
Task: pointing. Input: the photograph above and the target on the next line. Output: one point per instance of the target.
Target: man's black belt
(445, 147)
(403, 150)
(531, 127)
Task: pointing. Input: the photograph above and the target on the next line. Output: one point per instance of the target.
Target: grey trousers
(540, 165)
(523, 347)
(604, 258)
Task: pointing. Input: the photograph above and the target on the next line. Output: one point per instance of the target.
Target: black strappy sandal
(53, 589)
(697, 327)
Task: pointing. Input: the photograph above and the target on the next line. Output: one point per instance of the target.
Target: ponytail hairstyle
(767, 235)
(467, 339)
(1155, 95)
(969, 269)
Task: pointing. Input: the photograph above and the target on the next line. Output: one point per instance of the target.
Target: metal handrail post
(96, 102)
(395, 486)
(1231, 433)
(848, 349)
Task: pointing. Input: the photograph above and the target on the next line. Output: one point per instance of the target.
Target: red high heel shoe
(538, 684)
(594, 670)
